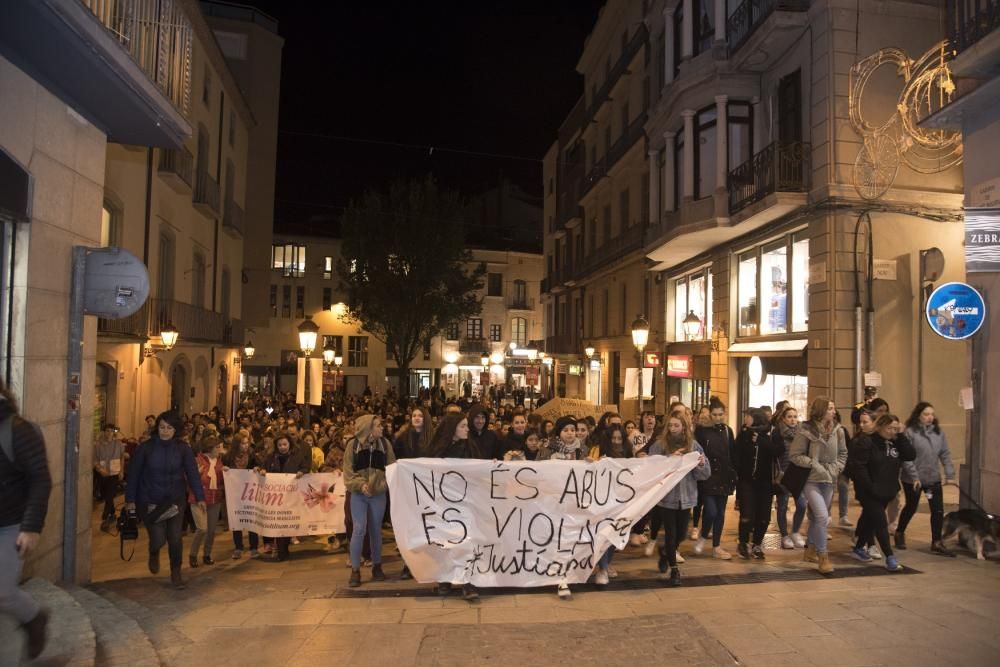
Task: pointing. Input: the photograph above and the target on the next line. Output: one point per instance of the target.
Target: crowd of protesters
(175, 472)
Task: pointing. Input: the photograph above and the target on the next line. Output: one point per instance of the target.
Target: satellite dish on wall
(116, 283)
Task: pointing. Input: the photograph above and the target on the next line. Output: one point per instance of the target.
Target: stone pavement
(941, 611)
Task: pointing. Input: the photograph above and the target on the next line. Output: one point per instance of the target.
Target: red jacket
(211, 495)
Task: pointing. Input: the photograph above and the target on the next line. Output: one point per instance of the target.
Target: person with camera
(156, 491)
(25, 485)
(109, 464)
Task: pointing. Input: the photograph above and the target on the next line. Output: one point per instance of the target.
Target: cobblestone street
(301, 612)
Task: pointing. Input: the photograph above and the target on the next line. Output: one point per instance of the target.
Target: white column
(689, 147)
(669, 196)
(721, 142)
(757, 111)
(668, 46)
(654, 186)
(687, 31)
(720, 20)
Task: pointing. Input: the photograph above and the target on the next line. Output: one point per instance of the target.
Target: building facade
(304, 283)
(751, 232)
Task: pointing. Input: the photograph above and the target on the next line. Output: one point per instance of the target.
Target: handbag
(128, 529)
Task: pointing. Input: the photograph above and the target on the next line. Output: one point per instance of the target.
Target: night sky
(367, 88)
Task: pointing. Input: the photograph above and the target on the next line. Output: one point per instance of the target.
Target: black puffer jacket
(25, 483)
(754, 461)
(718, 443)
(486, 440)
(874, 464)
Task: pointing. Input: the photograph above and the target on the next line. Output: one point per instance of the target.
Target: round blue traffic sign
(956, 311)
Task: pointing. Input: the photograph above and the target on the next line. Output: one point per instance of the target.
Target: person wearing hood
(158, 478)
(714, 491)
(786, 427)
(820, 447)
(365, 458)
(675, 507)
(874, 462)
(484, 440)
(924, 474)
(451, 441)
(287, 459)
(754, 457)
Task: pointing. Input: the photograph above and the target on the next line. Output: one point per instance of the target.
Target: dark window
(357, 351)
(198, 282)
(452, 332)
(286, 300)
(274, 300)
(494, 284)
(206, 87)
(678, 37)
(327, 298)
(300, 301)
(520, 298)
(623, 210)
(495, 333)
(474, 328)
(678, 169)
(338, 344)
(427, 349)
(704, 25)
(606, 226)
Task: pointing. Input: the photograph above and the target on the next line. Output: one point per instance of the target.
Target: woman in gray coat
(924, 474)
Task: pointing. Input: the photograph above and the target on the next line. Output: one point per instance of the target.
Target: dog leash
(972, 500)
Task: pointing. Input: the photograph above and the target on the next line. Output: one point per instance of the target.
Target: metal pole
(639, 356)
(71, 444)
(306, 390)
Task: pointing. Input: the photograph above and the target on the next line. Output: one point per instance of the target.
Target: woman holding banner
(675, 507)
(365, 458)
(286, 459)
(451, 441)
(614, 444)
(241, 457)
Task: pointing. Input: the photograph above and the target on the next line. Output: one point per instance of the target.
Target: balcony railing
(232, 219)
(750, 14)
(158, 36)
(206, 194)
(781, 167)
(193, 323)
(598, 171)
(515, 302)
(635, 131)
(620, 67)
(561, 344)
(970, 20)
(177, 168)
(473, 346)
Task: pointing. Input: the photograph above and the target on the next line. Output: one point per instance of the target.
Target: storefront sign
(531, 374)
(520, 523)
(652, 360)
(281, 505)
(817, 273)
(679, 366)
(575, 370)
(982, 240)
(956, 311)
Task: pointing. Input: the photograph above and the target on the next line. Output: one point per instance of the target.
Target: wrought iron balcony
(473, 346)
(158, 36)
(177, 169)
(232, 219)
(751, 14)
(781, 167)
(195, 324)
(561, 344)
(620, 67)
(969, 21)
(206, 194)
(515, 302)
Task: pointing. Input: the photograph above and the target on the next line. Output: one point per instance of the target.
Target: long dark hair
(424, 437)
(607, 449)
(914, 420)
(445, 433)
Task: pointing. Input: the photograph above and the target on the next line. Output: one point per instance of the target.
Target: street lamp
(329, 352)
(640, 335)
(308, 333)
(589, 351)
(692, 325)
(168, 335)
(249, 350)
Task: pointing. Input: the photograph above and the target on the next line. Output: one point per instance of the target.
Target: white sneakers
(601, 577)
(650, 548)
(563, 592)
(798, 540)
(680, 558)
(721, 554)
(874, 552)
(699, 546)
(845, 522)
(786, 542)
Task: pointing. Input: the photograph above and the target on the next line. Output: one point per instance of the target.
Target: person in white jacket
(924, 474)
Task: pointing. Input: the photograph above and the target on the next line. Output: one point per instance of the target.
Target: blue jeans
(781, 507)
(13, 601)
(818, 495)
(238, 539)
(843, 495)
(605, 560)
(713, 517)
(367, 510)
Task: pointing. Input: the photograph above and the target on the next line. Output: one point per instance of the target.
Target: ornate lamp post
(308, 333)
(692, 325)
(640, 335)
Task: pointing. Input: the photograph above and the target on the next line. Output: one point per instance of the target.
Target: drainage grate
(648, 582)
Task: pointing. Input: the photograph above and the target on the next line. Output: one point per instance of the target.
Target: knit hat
(562, 423)
(363, 427)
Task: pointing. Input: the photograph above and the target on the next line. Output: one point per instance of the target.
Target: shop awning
(776, 348)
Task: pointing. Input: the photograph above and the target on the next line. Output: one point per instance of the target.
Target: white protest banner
(279, 505)
(521, 523)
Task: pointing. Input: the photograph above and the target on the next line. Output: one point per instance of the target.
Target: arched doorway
(178, 388)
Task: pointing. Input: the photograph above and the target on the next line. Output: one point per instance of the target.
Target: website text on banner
(279, 505)
(521, 523)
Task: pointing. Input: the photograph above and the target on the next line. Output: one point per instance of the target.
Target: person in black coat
(874, 462)
(25, 485)
(718, 442)
(754, 457)
(515, 438)
(480, 434)
(242, 457)
(287, 459)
